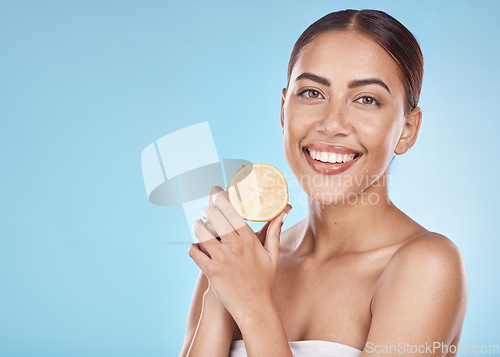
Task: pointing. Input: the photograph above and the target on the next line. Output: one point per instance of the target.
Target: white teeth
(330, 156)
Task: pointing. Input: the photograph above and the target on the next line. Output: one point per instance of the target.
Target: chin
(332, 195)
(338, 199)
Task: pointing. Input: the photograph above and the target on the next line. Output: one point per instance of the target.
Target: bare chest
(328, 302)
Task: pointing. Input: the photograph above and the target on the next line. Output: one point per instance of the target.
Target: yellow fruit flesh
(258, 192)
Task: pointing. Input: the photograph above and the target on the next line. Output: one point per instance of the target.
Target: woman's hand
(240, 268)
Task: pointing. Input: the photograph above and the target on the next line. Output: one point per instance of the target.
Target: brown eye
(367, 100)
(313, 93)
(310, 94)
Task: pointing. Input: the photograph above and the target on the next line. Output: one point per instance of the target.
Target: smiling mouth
(331, 157)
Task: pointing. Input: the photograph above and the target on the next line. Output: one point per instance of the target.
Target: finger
(213, 191)
(211, 229)
(272, 241)
(201, 232)
(229, 212)
(261, 234)
(199, 257)
(205, 238)
(219, 223)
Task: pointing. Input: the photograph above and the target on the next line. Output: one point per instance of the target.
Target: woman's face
(344, 102)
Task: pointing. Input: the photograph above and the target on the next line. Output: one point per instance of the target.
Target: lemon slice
(258, 192)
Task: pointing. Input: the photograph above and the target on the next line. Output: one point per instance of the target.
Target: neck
(358, 225)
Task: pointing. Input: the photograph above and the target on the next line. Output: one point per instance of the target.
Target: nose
(335, 121)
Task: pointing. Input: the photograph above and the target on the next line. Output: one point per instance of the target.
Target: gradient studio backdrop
(86, 268)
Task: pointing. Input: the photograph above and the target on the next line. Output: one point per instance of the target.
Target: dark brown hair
(385, 30)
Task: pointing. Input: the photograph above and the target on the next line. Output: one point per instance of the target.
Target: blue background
(86, 268)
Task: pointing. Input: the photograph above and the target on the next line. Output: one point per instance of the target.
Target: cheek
(379, 138)
(296, 126)
(292, 135)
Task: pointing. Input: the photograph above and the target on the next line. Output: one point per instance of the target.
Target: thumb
(261, 234)
(272, 242)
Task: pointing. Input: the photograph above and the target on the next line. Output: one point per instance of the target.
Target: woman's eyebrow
(353, 84)
(364, 82)
(313, 77)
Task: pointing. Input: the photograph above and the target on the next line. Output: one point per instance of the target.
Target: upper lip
(332, 148)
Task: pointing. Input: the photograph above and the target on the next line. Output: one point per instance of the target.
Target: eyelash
(375, 101)
(301, 94)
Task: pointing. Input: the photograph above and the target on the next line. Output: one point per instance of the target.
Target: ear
(410, 131)
(282, 115)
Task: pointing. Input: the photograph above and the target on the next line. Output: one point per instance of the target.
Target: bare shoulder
(430, 256)
(428, 252)
(424, 286)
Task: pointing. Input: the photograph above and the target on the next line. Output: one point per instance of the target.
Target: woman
(356, 277)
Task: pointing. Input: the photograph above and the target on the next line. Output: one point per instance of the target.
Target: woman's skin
(356, 270)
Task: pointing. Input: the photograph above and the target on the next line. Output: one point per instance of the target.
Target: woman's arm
(263, 331)
(215, 329)
(198, 321)
(241, 271)
(419, 304)
(194, 312)
(259, 323)
(221, 326)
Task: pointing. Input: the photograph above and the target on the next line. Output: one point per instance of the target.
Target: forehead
(348, 55)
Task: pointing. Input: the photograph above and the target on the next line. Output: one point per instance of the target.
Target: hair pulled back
(385, 30)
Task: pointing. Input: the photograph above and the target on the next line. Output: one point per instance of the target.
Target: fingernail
(213, 199)
(286, 214)
(194, 225)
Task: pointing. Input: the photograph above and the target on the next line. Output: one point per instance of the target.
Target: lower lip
(327, 168)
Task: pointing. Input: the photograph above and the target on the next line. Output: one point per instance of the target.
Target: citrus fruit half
(258, 192)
